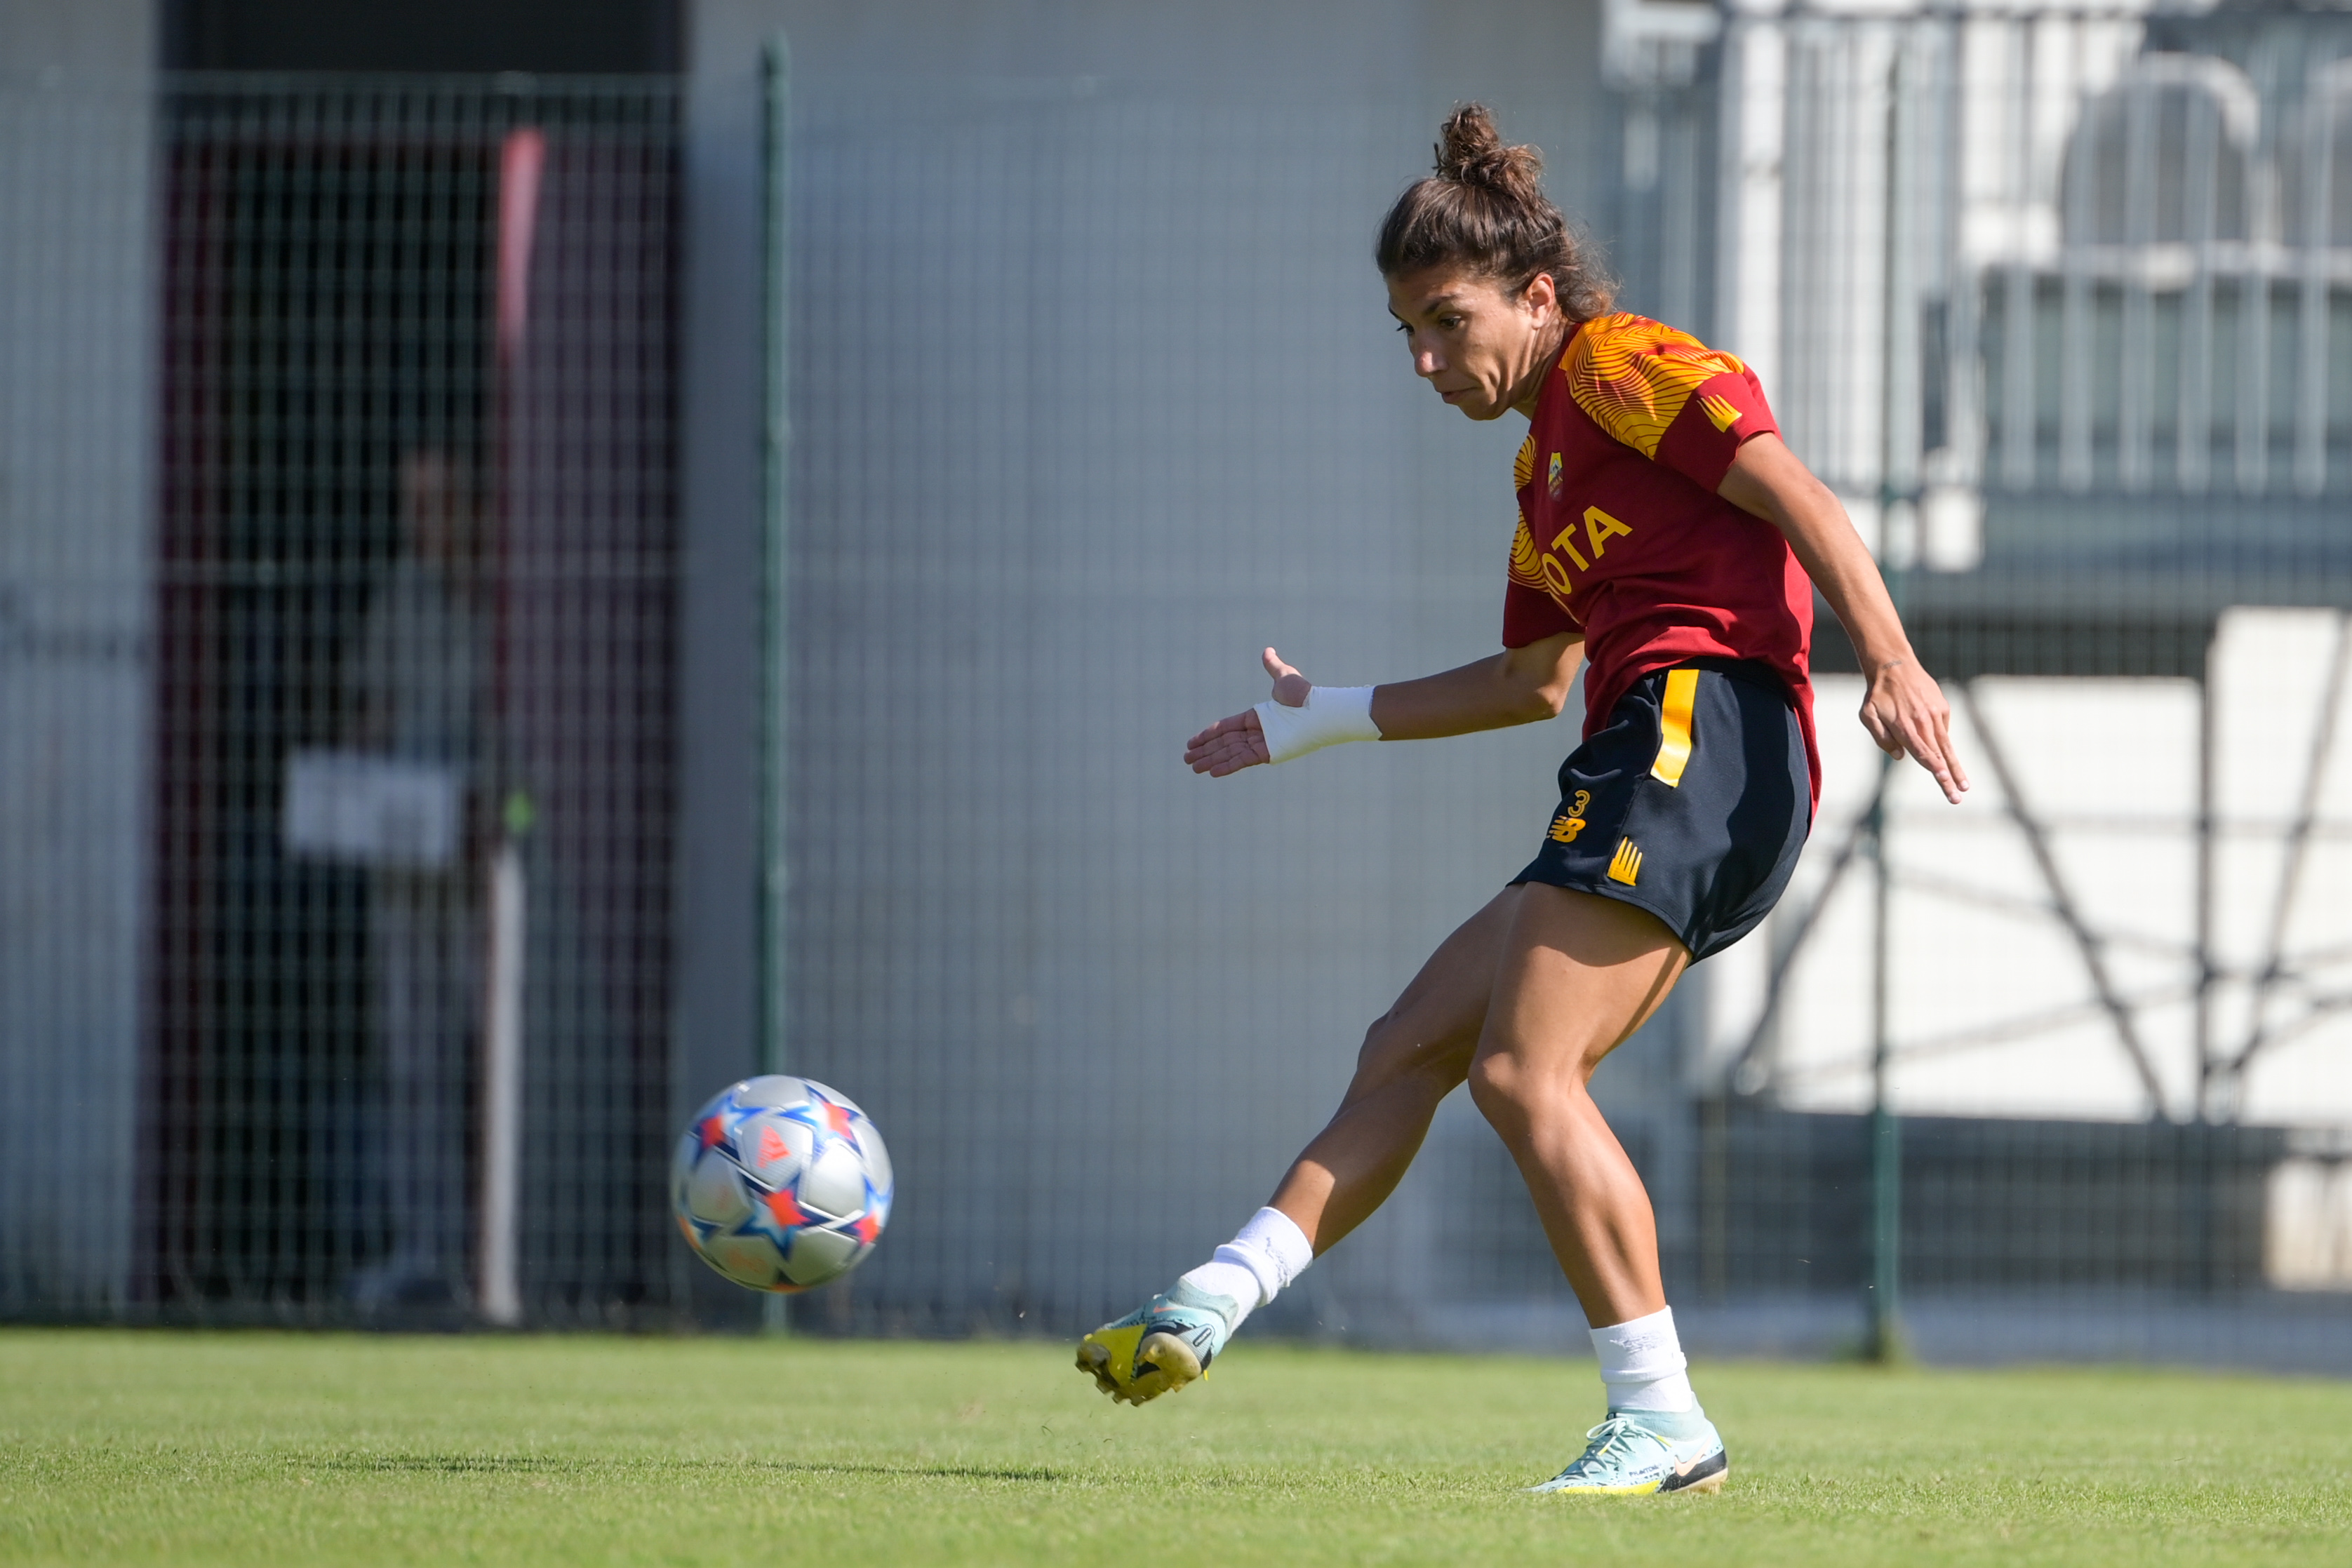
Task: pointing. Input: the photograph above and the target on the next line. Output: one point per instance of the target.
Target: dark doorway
(419, 506)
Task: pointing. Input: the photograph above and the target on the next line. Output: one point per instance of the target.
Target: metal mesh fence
(1075, 967)
(402, 618)
(343, 612)
(2085, 260)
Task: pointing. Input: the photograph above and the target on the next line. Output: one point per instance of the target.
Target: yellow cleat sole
(1132, 1366)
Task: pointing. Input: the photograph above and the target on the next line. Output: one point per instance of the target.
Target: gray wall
(76, 441)
(1094, 395)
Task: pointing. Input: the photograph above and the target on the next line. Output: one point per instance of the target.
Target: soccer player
(1670, 542)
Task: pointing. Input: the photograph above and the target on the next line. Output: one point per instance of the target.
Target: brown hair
(1486, 208)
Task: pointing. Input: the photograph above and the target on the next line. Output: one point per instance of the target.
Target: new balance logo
(1626, 863)
(1570, 822)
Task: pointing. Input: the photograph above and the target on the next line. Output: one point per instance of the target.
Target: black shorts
(1693, 803)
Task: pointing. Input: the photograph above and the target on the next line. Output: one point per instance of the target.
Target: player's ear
(1540, 296)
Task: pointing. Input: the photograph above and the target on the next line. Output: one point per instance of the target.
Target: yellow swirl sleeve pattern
(1526, 566)
(1635, 376)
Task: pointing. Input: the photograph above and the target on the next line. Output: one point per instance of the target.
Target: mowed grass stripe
(259, 1448)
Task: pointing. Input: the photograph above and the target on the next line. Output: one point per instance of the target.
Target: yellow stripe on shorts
(1675, 726)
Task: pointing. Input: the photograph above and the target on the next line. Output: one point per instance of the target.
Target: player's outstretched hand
(1233, 744)
(1906, 712)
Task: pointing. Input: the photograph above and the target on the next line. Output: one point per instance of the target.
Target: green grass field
(255, 1448)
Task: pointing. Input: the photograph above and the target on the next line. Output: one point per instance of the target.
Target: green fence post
(775, 667)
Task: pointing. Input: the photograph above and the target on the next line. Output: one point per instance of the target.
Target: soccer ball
(781, 1184)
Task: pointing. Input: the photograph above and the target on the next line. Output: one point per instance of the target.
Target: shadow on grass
(450, 1464)
(528, 1464)
(952, 1473)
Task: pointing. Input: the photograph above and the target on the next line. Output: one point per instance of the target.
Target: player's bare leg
(1524, 1001)
(1416, 1054)
(1578, 975)
(1413, 1057)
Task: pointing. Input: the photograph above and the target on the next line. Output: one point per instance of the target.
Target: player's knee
(1513, 1090)
(1499, 1087)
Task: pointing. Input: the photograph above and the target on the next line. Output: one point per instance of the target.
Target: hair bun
(1485, 209)
(1470, 152)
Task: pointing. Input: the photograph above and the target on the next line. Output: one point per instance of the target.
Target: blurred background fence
(523, 597)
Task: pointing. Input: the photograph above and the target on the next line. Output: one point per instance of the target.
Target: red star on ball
(823, 1115)
(836, 1119)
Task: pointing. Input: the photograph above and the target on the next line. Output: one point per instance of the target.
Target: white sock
(1642, 1365)
(1267, 1254)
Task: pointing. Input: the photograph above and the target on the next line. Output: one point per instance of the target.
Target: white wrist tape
(1332, 713)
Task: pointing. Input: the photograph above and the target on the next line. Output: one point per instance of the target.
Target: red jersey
(1622, 536)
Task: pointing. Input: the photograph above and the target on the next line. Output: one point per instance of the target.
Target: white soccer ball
(781, 1184)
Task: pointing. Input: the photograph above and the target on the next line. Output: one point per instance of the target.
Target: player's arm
(1904, 709)
(1518, 686)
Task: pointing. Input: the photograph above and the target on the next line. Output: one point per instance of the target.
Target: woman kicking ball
(1669, 541)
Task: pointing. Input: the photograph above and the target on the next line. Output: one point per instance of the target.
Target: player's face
(1482, 348)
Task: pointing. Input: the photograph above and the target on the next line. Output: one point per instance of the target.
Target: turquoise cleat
(1160, 1346)
(1636, 1453)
